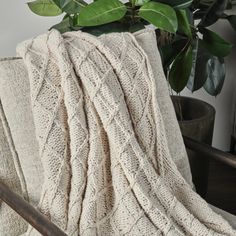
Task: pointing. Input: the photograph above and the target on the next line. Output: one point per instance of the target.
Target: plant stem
(131, 9)
(133, 3)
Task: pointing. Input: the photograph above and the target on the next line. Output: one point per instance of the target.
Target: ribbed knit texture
(107, 166)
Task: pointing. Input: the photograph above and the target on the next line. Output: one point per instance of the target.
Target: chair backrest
(10, 222)
(15, 99)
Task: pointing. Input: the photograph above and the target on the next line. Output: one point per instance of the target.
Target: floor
(222, 187)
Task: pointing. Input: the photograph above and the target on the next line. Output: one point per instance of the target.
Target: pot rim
(210, 109)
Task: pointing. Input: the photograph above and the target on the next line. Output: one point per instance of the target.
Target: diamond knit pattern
(108, 170)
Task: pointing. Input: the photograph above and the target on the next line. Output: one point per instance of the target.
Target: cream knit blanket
(107, 167)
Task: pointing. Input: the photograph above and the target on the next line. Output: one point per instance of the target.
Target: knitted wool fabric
(107, 167)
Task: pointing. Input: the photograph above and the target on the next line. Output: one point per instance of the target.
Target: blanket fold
(107, 165)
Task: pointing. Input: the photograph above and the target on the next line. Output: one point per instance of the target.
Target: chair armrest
(29, 213)
(210, 152)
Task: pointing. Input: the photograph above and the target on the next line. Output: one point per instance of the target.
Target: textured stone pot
(196, 119)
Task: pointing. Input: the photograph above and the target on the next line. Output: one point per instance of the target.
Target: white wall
(18, 23)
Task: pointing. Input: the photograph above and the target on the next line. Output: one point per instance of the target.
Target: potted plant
(194, 58)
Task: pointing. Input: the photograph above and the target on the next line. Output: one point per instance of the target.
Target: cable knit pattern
(107, 166)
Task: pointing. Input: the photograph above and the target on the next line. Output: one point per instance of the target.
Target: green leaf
(70, 6)
(141, 2)
(63, 26)
(232, 21)
(181, 69)
(101, 12)
(214, 13)
(198, 74)
(44, 8)
(183, 23)
(198, 14)
(63, 3)
(160, 15)
(215, 44)
(209, 72)
(107, 28)
(73, 6)
(216, 75)
(178, 4)
(170, 51)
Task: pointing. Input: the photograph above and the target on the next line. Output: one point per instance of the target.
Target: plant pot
(196, 120)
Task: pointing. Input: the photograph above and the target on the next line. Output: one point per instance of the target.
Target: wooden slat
(29, 213)
(211, 152)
